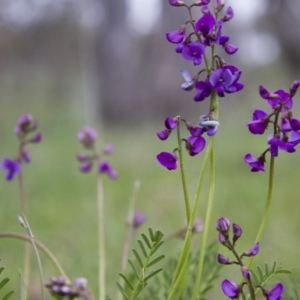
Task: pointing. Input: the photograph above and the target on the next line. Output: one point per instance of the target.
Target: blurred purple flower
(86, 167)
(11, 167)
(36, 138)
(105, 167)
(223, 224)
(229, 14)
(109, 148)
(246, 273)
(230, 288)
(138, 219)
(176, 36)
(87, 136)
(277, 143)
(224, 260)
(167, 160)
(25, 155)
(25, 124)
(256, 164)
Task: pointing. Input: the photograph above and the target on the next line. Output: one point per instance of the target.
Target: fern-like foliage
(135, 283)
(262, 276)
(3, 282)
(161, 287)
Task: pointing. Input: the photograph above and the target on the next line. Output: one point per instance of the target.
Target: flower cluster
(87, 136)
(230, 288)
(206, 33)
(58, 286)
(194, 143)
(25, 129)
(285, 133)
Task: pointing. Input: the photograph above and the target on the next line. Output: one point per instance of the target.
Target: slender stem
(101, 238)
(206, 222)
(267, 207)
(183, 178)
(41, 246)
(187, 242)
(25, 224)
(24, 211)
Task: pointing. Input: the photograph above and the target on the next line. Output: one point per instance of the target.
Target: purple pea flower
(289, 124)
(105, 167)
(11, 167)
(163, 134)
(225, 80)
(228, 15)
(171, 123)
(195, 143)
(259, 122)
(224, 41)
(205, 24)
(256, 164)
(230, 288)
(193, 51)
(275, 293)
(177, 36)
(189, 83)
(138, 219)
(87, 136)
(280, 97)
(204, 90)
(167, 160)
(253, 251)
(276, 142)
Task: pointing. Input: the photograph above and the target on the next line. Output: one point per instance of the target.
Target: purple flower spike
(230, 289)
(87, 136)
(253, 251)
(138, 219)
(193, 51)
(228, 15)
(223, 225)
(259, 122)
(167, 160)
(105, 167)
(12, 168)
(163, 134)
(275, 293)
(256, 164)
(177, 36)
(189, 83)
(171, 123)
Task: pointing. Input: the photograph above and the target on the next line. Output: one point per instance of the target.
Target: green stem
(267, 207)
(206, 222)
(183, 178)
(41, 246)
(187, 242)
(101, 238)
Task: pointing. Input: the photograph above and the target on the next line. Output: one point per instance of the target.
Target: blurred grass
(62, 203)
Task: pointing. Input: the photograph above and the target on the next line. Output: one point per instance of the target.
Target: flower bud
(109, 148)
(246, 273)
(224, 260)
(171, 123)
(228, 15)
(137, 220)
(222, 238)
(237, 232)
(25, 125)
(294, 87)
(253, 251)
(223, 225)
(36, 138)
(219, 4)
(25, 155)
(87, 136)
(163, 134)
(176, 3)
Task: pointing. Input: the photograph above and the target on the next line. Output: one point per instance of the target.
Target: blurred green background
(60, 71)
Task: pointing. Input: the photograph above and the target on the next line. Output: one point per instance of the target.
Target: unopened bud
(253, 251)
(246, 273)
(294, 87)
(223, 225)
(237, 232)
(176, 3)
(224, 260)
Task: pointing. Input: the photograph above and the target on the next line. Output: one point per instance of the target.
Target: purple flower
(105, 167)
(167, 160)
(256, 164)
(253, 251)
(82, 157)
(259, 122)
(12, 168)
(279, 143)
(171, 123)
(193, 51)
(25, 124)
(280, 97)
(87, 136)
(25, 155)
(237, 232)
(189, 83)
(176, 2)
(225, 80)
(36, 138)
(275, 293)
(177, 36)
(138, 219)
(223, 225)
(222, 238)
(294, 138)
(289, 124)
(224, 260)
(205, 24)
(246, 273)
(294, 87)
(109, 148)
(195, 145)
(163, 134)
(224, 41)
(210, 125)
(204, 90)
(86, 167)
(230, 288)
(228, 15)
